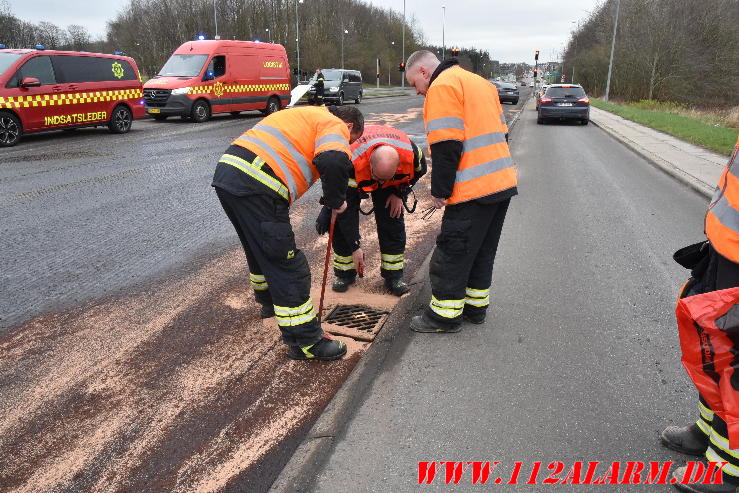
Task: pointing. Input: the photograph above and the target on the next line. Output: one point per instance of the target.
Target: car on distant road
(507, 93)
(540, 93)
(564, 102)
(339, 86)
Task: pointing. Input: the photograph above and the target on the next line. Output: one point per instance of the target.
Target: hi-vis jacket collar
(442, 67)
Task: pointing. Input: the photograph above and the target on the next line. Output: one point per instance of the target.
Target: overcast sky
(510, 30)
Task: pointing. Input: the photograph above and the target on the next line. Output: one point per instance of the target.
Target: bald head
(384, 163)
(419, 68)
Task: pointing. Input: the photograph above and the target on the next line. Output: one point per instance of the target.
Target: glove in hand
(323, 221)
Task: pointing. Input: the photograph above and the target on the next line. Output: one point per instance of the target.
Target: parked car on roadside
(339, 86)
(53, 90)
(564, 102)
(507, 92)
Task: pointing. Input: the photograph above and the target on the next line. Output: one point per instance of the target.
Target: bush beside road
(703, 131)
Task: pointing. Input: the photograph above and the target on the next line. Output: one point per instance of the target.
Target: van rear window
(74, 69)
(183, 66)
(6, 60)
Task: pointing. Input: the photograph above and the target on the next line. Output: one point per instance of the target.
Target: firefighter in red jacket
(386, 165)
(717, 270)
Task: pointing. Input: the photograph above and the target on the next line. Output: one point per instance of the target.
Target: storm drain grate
(357, 317)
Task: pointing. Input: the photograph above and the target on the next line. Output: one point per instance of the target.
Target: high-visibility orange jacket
(722, 218)
(289, 140)
(462, 106)
(362, 149)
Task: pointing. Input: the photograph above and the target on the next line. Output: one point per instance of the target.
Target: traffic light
(378, 75)
(401, 67)
(536, 73)
(536, 55)
(455, 51)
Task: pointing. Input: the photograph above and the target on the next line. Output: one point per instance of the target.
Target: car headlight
(333, 89)
(180, 90)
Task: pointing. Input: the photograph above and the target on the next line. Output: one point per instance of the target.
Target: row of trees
(15, 32)
(149, 30)
(669, 50)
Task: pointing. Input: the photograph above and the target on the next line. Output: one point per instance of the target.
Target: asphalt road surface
(579, 357)
(132, 357)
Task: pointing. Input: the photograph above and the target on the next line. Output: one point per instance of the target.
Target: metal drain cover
(359, 321)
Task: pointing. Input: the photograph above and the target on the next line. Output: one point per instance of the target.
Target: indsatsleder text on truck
(43, 90)
(219, 76)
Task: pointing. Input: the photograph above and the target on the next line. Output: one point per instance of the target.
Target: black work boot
(397, 286)
(341, 284)
(267, 311)
(688, 440)
(421, 323)
(730, 483)
(324, 350)
(476, 317)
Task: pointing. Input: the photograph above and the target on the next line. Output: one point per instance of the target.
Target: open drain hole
(357, 317)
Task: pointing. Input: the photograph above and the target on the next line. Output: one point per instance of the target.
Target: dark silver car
(507, 93)
(564, 102)
(339, 86)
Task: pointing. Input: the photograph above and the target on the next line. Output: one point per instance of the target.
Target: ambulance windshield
(183, 66)
(6, 60)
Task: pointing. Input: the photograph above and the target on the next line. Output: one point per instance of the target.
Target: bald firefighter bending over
(473, 176)
(386, 165)
(257, 179)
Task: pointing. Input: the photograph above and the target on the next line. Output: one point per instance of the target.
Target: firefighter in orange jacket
(386, 165)
(717, 270)
(264, 171)
(473, 176)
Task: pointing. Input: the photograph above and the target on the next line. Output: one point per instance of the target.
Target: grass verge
(713, 136)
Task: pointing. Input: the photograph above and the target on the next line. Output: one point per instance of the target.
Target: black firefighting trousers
(717, 273)
(279, 272)
(461, 268)
(391, 234)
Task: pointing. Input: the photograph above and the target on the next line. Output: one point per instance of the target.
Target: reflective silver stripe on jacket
(335, 138)
(483, 141)
(393, 142)
(305, 169)
(483, 169)
(280, 162)
(726, 214)
(445, 123)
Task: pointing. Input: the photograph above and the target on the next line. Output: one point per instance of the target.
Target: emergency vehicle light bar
(40, 47)
(2, 46)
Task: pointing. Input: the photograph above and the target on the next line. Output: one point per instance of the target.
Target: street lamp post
(215, 18)
(613, 46)
(343, 32)
(402, 75)
(297, 36)
(574, 55)
(269, 37)
(443, 38)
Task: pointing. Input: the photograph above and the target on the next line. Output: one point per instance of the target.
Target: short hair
(349, 114)
(418, 56)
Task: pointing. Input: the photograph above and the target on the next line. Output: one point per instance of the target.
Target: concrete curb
(299, 474)
(661, 164)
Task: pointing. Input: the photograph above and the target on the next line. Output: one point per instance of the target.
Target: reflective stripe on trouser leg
(719, 449)
(448, 309)
(258, 282)
(705, 419)
(391, 262)
(477, 297)
(342, 263)
(290, 316)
